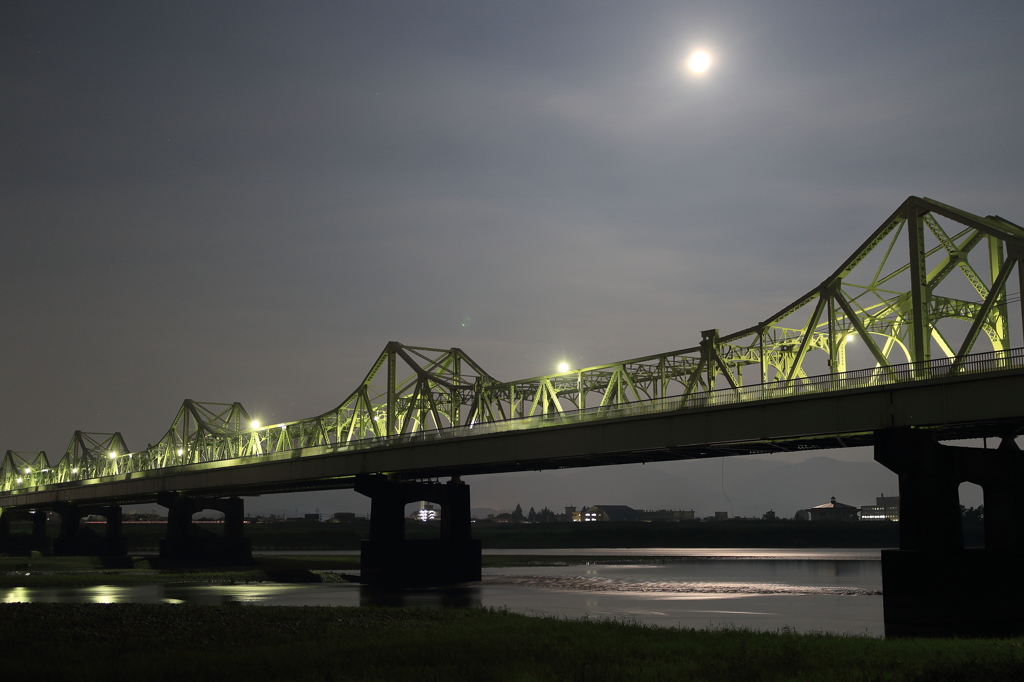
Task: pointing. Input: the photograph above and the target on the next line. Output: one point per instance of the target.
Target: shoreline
(41, 572)
(313, 537)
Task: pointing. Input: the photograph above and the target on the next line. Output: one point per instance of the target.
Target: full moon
(699, 62)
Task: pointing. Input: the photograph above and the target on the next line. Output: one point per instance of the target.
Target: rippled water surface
(809, 590)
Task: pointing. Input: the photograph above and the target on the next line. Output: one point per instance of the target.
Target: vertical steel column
(708, 340)
(920, 346)
(764, 363)
(833, 344)
(390, 428)
(996, 259)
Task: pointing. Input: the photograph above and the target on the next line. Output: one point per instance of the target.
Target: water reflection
(456, 597)
(807, 592)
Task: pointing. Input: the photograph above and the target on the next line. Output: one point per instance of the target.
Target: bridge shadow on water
(447, 597)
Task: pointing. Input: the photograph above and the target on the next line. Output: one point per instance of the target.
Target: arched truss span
(930, 282)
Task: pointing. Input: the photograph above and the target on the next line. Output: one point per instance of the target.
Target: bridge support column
(932, 585)
(187, 544)
(9, 542)
(39, 527)
(70, 527)
(387, 558)
(74, 540)
(22, 544)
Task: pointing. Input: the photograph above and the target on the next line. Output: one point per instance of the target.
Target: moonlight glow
(699, 62)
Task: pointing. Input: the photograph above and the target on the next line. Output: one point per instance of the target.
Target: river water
(764, 589)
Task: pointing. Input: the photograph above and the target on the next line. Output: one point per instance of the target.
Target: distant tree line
(545, 515)
(972, 514)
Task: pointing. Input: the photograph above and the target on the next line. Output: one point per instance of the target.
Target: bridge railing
(864, 378)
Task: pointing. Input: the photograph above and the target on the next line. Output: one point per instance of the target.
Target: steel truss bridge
(923, 301)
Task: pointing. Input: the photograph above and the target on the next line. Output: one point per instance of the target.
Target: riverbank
(301, 568)
(145, 537)
(146, 570)
(255, 643)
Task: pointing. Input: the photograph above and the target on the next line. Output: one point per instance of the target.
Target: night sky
(246, 200)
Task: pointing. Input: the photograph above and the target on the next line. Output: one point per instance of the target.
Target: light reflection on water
(865, 554)
(807, 593)
(839, 554)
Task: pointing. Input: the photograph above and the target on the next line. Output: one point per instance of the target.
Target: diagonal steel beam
(994, 295)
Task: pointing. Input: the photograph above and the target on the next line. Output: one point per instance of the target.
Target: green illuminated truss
(931, 281)
(90, 455)
(22, 469)
(895, 295)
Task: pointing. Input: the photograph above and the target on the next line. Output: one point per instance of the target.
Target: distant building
(830, 511)
(344, 517)
(884, 509)
(426, 512)
(665, 515)
(721, 516)
(312, 517)
(607, 512)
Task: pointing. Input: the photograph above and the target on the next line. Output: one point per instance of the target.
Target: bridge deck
(961, 406)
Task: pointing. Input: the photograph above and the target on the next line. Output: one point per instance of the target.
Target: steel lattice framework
(932, 280)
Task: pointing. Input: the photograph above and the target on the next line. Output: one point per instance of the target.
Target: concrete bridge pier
(389, 559)
(187, 544)
(932, 585)
(24, 544)
(39, 527)
(74, 540)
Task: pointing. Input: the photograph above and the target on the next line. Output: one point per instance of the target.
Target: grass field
(112, 642)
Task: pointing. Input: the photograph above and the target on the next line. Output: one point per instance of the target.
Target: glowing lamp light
(255, 424)
(113, 455)
(563, 367)
(19, 479)
(74, 470)
(851, 337)
(180, 452)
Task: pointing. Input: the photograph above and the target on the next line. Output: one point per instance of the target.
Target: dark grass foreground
(113, 642)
